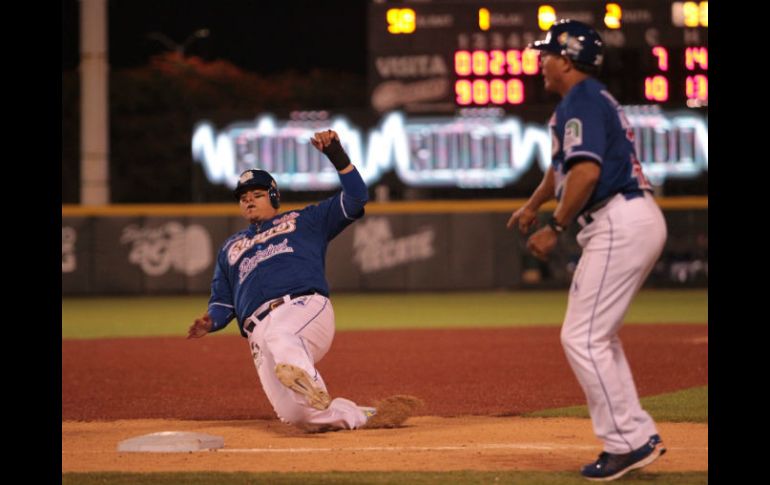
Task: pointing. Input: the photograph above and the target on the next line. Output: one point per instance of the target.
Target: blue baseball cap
(574, 40)
(254, 179)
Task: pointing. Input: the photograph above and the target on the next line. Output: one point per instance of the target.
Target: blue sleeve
(339, 211)
(585, 131)
(221, 308)
(355, 194)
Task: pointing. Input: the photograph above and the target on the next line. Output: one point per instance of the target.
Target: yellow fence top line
(400, 207)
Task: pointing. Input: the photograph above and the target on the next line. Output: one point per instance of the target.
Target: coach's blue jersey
(282, 255)
(589, 124)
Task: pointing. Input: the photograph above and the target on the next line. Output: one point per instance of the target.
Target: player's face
(255, 205)
(552, 66)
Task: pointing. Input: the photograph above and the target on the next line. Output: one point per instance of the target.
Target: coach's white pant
(299, 333)
(620, 247)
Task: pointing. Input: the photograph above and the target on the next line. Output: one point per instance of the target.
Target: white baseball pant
(299, 333)
(620, 248)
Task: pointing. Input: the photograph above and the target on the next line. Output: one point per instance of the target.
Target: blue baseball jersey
(282, 255)
(589, 124)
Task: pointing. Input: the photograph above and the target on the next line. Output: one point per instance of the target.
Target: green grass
(502, 309)
(374, 478)
(690, 405)
(171, 315)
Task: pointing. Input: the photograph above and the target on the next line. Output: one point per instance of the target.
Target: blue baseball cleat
(610, 466)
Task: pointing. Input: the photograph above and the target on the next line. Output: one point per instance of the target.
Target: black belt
(275, 304)
(585, 216)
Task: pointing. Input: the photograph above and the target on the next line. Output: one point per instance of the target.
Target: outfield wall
(419, 246)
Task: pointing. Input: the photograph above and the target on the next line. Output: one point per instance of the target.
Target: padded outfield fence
(398, 246)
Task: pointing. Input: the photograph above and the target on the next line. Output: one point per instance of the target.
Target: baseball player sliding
(270, 277)
(596, 178)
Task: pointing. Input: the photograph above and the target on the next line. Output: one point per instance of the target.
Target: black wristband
(558, 228)
(337, 155)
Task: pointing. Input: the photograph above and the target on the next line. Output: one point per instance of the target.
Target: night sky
(260, 36)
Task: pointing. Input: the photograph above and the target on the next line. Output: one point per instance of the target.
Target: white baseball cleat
(300, 382)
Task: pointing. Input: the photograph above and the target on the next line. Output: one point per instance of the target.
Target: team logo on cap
(246, 176)
(574, 46)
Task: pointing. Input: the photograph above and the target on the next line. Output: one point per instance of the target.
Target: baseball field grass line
(111, 317)
(374, 478)
(688, 405)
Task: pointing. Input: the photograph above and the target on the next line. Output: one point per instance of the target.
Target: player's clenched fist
(322, 139)
(200, 327)
(329, 143)
(542, 242)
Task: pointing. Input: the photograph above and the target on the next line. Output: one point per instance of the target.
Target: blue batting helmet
(574, 40)
(258, 179)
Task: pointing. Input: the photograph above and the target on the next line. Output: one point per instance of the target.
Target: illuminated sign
(656, 88)
(695, 89)
(484, 19)
(400, 20)
(546, 16)
(494, 90)
(651, 47)
(482, 149)
(613, 16)
(690, 14)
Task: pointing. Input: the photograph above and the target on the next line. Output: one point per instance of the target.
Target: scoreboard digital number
(439, 56)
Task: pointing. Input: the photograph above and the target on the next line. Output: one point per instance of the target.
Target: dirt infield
(473, 383)
(428, 443)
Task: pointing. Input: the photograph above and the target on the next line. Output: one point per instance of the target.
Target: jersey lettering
(286, 218)
(242, 245)
(621, 116)
(248, 264)
(638, 173)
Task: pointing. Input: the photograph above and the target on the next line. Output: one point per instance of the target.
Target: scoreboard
(437, 57)
(458, 100)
